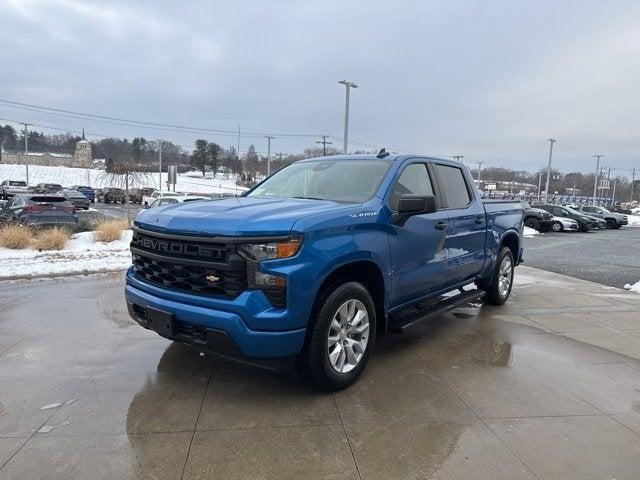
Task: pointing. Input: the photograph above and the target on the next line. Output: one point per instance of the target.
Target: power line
(140, 123)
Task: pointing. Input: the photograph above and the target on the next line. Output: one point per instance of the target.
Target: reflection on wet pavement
(546, 386)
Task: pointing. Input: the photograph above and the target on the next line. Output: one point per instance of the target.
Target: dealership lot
(610, 257)
(543, 387)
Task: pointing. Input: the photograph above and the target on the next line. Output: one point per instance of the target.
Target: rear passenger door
(465, 245)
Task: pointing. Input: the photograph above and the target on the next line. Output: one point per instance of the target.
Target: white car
(561, 224)
(169, 199)
(148, 200)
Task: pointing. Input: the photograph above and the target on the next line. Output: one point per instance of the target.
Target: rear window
(47, 199)
(454, 186)
(17, 184)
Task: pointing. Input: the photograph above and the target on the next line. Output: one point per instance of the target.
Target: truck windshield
(351, 181)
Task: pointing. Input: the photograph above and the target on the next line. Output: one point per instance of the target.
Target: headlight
(267, 251)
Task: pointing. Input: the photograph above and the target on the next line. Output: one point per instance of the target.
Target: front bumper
(216, 326)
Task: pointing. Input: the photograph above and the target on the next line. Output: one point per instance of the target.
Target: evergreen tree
(214, 153)
(199, 156)
(251, 163)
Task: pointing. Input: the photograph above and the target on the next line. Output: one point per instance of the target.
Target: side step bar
(401, 323)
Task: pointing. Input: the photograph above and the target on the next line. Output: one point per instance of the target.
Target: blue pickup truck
(315, 261)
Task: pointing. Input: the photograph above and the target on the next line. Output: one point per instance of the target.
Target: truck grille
(188, 264)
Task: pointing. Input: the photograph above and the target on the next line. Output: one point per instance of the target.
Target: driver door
(418, 258)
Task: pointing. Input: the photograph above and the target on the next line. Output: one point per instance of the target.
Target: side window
(454, 186)
(413, 180)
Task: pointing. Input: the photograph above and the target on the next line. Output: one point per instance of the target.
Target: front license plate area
(161, 322)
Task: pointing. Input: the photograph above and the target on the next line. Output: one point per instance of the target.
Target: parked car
(612, 219)
(321, 257)
(168, 200)
(77, 199)
(585, 222)
(112, 195)
(135, 195)
(47, 188)
(561, 224)
(537, 218)
(149, 199)
(86, 191)
(9, 188)
(41, 210)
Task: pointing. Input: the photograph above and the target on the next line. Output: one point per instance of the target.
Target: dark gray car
(41, 210)
(77, 199)
(614, 220)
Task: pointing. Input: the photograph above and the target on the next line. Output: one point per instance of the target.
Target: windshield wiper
(309, 198)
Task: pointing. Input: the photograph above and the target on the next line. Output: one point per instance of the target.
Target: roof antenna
(382, 153)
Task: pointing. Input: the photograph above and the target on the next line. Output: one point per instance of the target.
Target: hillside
(192, 182)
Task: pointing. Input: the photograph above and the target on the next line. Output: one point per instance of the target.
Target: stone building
(81, 157)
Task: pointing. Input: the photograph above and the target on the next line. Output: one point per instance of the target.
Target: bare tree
(126, 174)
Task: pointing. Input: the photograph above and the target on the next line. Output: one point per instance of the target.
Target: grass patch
(110, 230)
(15, 236)
(82, 226)
(51, 239)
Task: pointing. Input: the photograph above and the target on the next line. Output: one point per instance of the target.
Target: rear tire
(340, 337)
(497, 291)
(532, 223)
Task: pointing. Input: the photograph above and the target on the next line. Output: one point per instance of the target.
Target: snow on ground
(530, 232)
(192, 182)
(633, 288)
(634, 220)
(80, 255)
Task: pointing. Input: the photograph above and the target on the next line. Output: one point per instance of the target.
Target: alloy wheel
(348, 336)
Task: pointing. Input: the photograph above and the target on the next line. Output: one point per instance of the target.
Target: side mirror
(410, 205)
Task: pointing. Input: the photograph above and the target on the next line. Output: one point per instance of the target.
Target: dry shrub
(51, 239)
(110, 230)
(15, 236)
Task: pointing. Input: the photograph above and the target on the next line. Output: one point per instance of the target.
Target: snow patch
(633, 288)
(634, 220)
(530, 232)
(81, 255)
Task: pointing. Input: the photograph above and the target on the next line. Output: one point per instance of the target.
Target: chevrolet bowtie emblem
(212, 278)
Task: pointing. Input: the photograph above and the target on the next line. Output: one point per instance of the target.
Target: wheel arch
(512, 241)
(366, 272)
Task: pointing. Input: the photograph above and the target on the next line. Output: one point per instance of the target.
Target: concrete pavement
(544, 387)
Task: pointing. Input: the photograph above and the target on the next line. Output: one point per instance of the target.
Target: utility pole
(608, 181)
(238, 164)
(546, 188)
(324, 144)
(159, 165)
(539, 185)
(613, 194)
(633, 179)
(349, 85)
(458, 158)
(595, 184)
(479, 170)
(269, 138)
(26, 149)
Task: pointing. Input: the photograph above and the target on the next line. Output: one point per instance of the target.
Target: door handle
(441, 226)
(479, 220)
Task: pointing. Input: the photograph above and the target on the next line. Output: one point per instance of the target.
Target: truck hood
(234, 216)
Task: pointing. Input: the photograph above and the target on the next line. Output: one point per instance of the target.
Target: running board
(401, 323)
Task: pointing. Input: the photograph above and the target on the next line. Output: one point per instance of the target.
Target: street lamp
(546, 188)
(349, 85)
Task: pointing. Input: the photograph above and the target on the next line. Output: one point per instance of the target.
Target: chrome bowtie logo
(212, 278)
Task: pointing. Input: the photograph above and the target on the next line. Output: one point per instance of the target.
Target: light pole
(479, 170)
(269, 138)
(595, 184)
(349, 85)
(26, 149)
(159, 165)
(546, 188)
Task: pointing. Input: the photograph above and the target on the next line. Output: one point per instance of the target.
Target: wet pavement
(547, 387)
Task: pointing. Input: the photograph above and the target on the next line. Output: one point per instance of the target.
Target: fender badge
(212, 278)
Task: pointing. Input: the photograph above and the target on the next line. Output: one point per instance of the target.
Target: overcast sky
(490, 80)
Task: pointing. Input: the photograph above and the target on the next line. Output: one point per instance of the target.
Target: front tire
(532, 223)
(340, 337)
(498, 290)
(556, 227)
